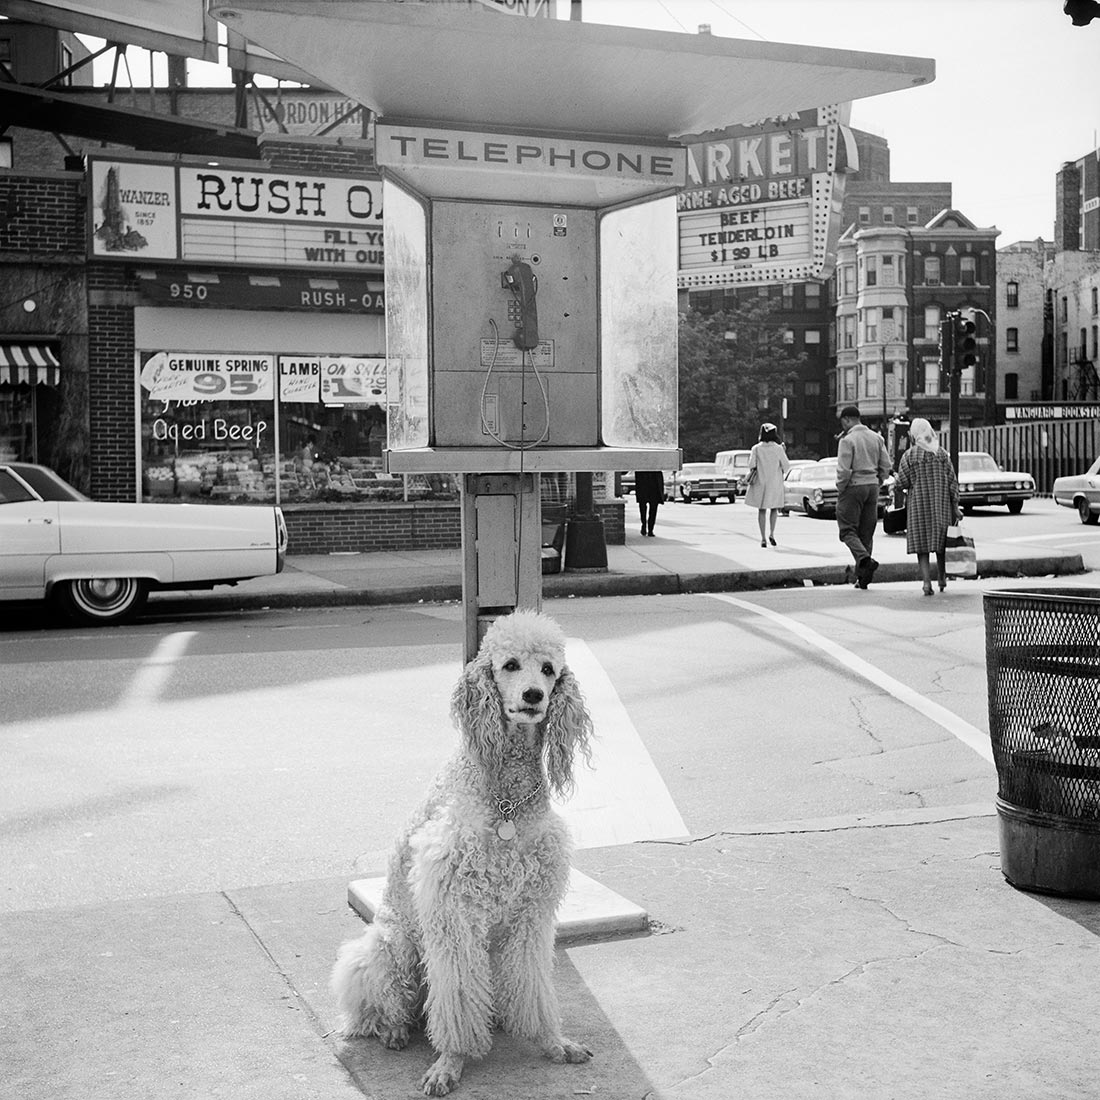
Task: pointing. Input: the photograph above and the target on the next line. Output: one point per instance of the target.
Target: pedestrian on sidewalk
(862, 465)
(649, 492)
(768, 464)
(932, 504)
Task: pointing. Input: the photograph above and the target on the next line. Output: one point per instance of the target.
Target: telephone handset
(521, 281)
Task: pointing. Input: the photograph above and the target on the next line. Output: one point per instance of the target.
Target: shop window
(1012, 384)
(1012, 339)
(1012, 295)
(209, 425)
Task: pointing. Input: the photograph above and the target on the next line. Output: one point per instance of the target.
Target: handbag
(960, 557)
(750, 477)
(895, 520)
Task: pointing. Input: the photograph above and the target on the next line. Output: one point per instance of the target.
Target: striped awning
(28, 363)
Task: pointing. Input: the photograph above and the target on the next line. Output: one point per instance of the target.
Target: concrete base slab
(588, 910)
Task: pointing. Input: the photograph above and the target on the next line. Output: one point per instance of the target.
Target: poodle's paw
(443, 1075)
(565, 1050)
(394, 1038)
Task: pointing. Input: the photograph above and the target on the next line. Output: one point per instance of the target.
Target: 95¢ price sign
(197, 376)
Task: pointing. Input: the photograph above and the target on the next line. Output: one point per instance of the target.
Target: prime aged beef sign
(248, 216)
(762, 202)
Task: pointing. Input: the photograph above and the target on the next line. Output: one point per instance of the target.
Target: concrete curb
(565, 585)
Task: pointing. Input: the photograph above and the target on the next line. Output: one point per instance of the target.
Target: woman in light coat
(765, 491)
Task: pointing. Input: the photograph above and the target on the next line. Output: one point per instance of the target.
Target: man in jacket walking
(862, 465)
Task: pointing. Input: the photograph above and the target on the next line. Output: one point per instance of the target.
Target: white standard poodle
(464, 933)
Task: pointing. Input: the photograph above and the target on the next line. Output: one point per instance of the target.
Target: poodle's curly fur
(464, 934)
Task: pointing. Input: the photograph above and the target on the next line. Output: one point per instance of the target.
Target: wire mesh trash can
(1042, 659)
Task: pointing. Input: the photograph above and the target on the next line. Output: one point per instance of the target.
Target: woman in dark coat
(932, 504)
(649, 491)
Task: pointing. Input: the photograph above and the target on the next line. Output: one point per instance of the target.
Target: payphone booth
(531, 326)
(531, 246)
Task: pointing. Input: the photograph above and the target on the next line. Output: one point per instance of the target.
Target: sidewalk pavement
(878, 957)
(671, 563)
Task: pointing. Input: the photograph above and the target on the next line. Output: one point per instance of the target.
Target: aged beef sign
(249, 216)
(762, 202)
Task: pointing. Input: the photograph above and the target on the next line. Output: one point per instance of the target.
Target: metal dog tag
(506, 830)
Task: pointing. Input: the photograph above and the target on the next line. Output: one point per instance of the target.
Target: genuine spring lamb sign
(247, 216)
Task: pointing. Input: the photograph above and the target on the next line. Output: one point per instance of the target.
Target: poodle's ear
(568, 731)
(476, 710)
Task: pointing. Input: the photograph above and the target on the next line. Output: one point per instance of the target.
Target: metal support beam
(501, 550)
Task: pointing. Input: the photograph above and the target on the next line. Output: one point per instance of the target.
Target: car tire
(1085, 513)
(103, 600)
(1015, 507)
(811, 511)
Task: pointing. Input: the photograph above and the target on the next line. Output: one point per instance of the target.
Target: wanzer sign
(248, 216)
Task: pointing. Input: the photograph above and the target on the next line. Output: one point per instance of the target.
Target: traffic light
(1081, 12)
(966, 342)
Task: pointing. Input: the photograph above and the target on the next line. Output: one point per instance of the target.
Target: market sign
(142, 210)
(762, 204)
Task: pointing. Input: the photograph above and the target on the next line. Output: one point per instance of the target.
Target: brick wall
(423, 525)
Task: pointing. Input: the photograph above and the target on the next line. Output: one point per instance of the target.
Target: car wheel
(1086, 514)
(103, 600)
(811, 511)
(1015, 507)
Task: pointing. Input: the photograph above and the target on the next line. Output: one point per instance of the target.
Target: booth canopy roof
(465, 65)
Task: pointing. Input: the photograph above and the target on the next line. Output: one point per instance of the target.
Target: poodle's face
(525, 679)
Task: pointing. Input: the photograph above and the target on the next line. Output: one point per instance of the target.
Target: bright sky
(1016, 94)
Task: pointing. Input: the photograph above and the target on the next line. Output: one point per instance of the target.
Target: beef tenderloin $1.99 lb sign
(762, 203)
(248, 216)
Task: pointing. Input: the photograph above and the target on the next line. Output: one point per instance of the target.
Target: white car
(982, 482)
(99, 559)
(1080, 491)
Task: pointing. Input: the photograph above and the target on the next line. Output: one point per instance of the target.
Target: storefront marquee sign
(142, 210)
(763, 202)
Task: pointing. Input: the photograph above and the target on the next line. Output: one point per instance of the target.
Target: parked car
(98, 560)
(734, 465)
(982, 481)
(1080, 491)
(812, 489)
(626, 482)
(702, 481)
